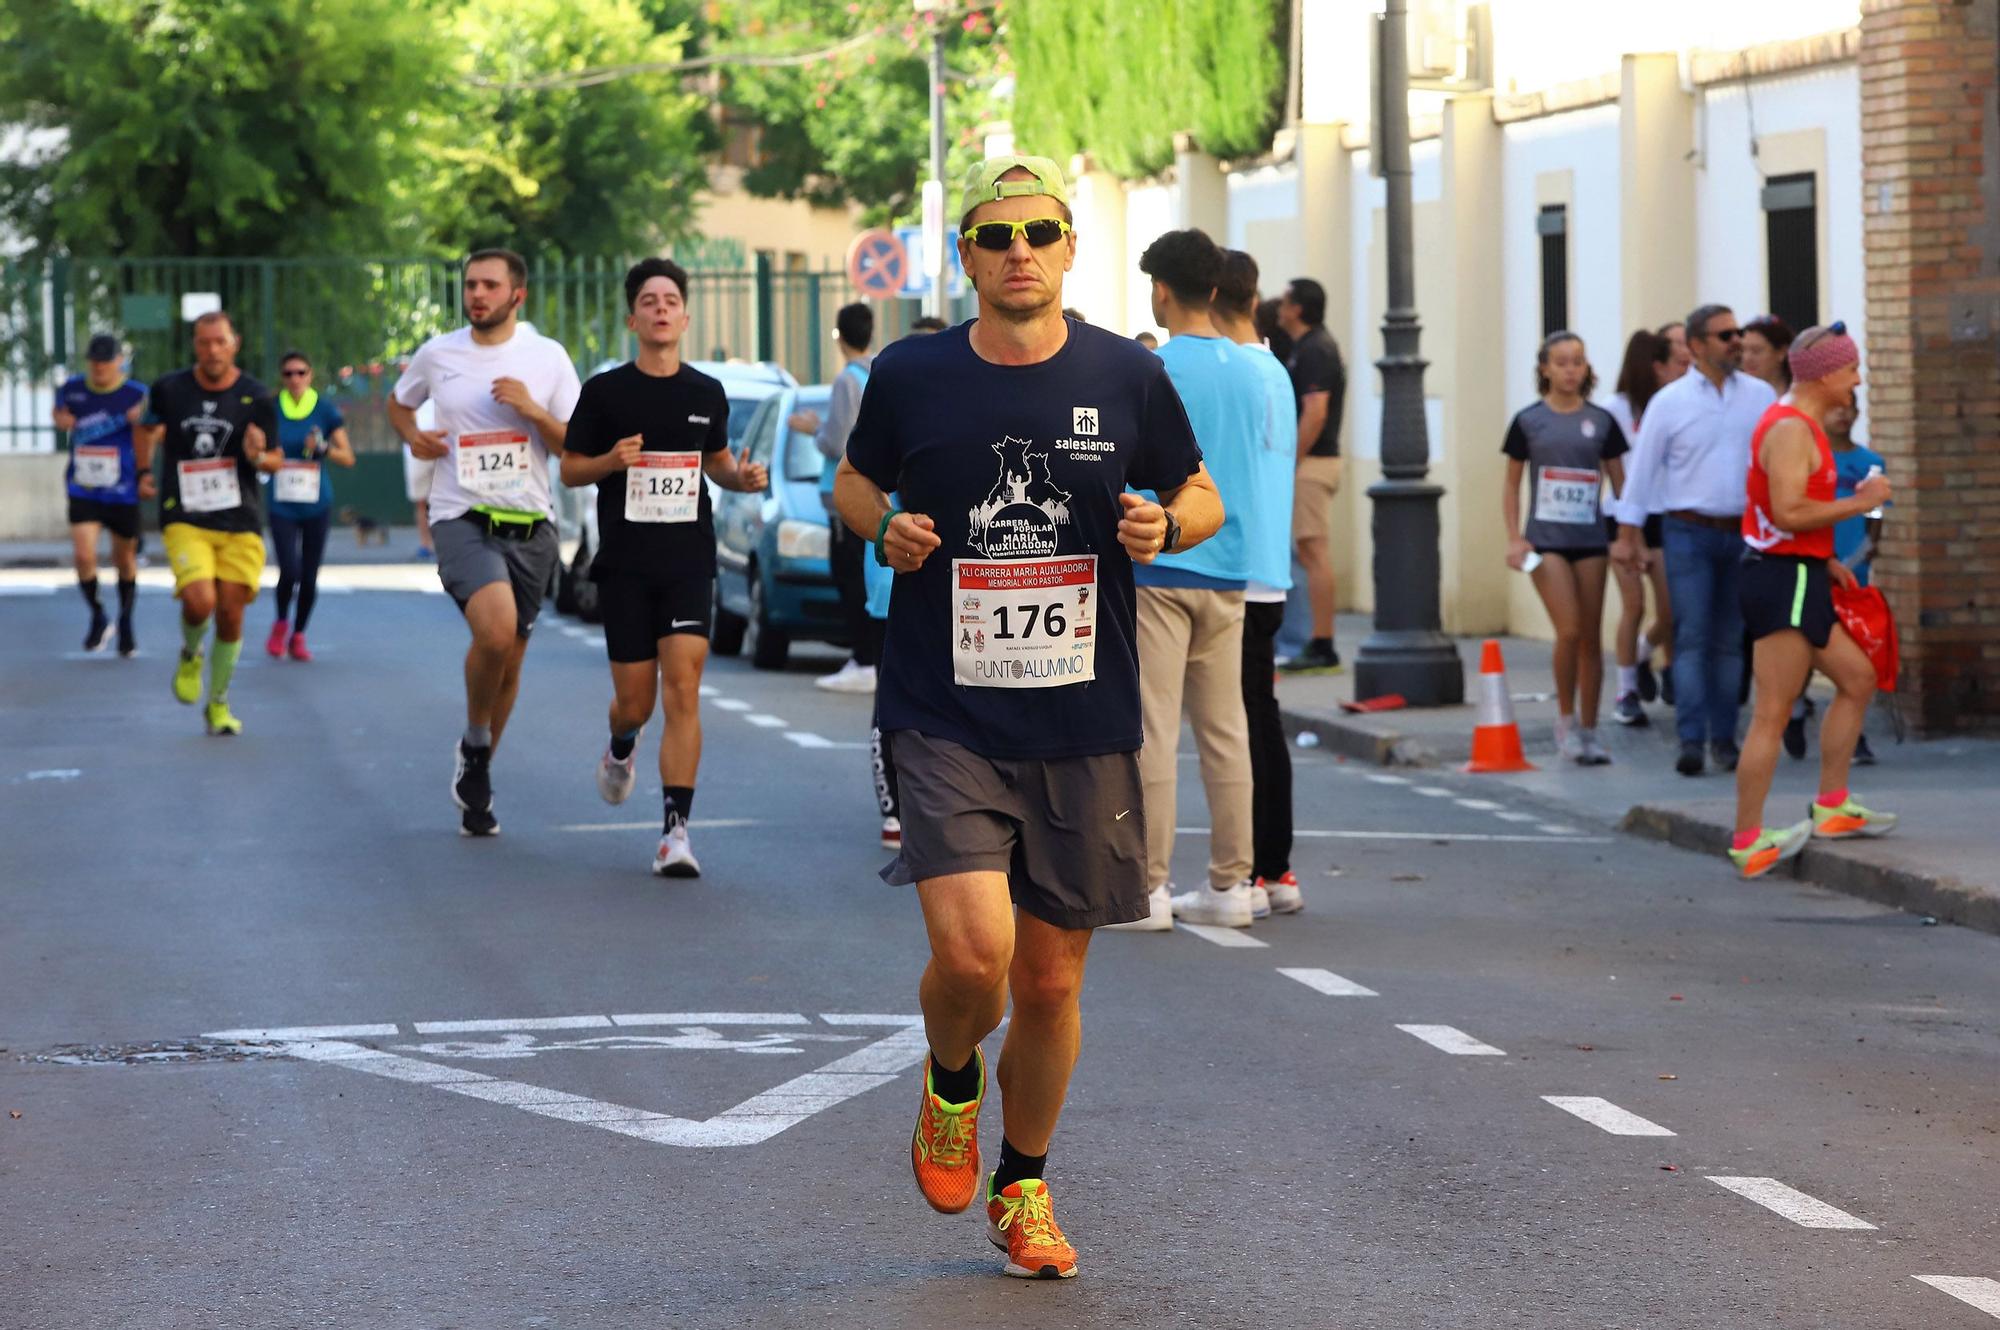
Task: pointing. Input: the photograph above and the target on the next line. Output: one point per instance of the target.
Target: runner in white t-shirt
(503, 395)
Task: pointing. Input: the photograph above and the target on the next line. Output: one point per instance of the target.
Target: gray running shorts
(1069, 833)
(470, 557)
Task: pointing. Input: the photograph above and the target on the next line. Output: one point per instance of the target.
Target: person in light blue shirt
(854, 332)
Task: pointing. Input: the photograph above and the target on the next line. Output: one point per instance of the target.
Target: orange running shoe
(1021, 1222)
(944, 1150)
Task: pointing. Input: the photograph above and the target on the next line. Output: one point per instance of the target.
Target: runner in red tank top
(1787, 588)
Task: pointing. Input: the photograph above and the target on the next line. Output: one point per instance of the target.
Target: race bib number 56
(492, 462)
(210, 486)
(1024, 623)
(663, 487)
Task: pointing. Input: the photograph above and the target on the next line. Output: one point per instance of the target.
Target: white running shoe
(1260, 901)
(1223, 909)
(849, 678)
(1160, 916)
(892, 833)
(1283, 893)
(1590, 752)
(676, 857)
(615, 779)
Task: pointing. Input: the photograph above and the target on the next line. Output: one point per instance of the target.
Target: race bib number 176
(1024, 623)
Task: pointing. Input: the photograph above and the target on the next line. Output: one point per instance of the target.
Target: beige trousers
(1191, 654)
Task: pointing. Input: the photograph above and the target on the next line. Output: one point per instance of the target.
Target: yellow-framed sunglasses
(999, 237)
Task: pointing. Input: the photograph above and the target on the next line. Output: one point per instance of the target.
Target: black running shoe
(1667, 685)
(1629, 712)
(1864, 756)
(1795, 732)
(478, 822)
(1316, 656)
(99, 635)
(1649, 683)
(128, 643)
(1690, 762)
(471, 785)
(1725, 753)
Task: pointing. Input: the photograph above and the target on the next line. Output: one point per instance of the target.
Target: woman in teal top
(311, 433)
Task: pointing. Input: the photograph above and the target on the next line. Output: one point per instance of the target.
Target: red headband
(1835, 351)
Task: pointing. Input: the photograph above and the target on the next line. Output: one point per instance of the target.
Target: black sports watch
(1173, 532)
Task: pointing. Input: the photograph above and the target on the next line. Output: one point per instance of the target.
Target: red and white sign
(877, 264)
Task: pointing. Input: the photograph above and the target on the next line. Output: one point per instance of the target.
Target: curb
(1945, 899)
(1363, 740)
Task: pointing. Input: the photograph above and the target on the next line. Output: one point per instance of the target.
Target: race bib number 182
(1024, 623)
(663, 487)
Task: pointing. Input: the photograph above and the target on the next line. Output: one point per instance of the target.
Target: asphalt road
(522, 1083)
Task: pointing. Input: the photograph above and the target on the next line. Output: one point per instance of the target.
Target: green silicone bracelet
(881, 532)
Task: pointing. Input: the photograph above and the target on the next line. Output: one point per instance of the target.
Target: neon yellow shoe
(187, 678)
(1850, 820)
(220, 721)
(1771, 848)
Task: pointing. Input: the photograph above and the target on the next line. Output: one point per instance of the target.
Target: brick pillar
(1930, 122)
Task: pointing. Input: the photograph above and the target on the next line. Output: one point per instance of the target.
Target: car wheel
(768, 646)
(725, 634)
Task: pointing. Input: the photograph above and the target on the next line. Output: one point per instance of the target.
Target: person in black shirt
(1009, 688)
(1319, 383)
(645, 434)
(212, 423)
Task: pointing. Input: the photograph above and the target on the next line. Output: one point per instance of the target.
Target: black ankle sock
(88, 587)
(622, 744)
(955, 1087)
(1320, 646)
(1014, 1166)
(679, 803)
(127, 591)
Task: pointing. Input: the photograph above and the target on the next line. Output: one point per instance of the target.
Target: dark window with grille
(1791, 240)
(1552, 224)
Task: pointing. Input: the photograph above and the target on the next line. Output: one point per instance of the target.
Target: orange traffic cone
(1496, 739)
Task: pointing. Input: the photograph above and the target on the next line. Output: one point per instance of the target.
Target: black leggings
(1270, 758)
(300, 543)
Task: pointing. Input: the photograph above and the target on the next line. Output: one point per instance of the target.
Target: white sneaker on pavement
(1590, 752)
(676, 857)
(1260, 900)
(1223, 909)
(615, 779)
(1284, 893)
(1160, 919)
(849, 678)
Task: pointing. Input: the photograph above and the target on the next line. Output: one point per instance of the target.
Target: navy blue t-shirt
(102, 422)
(1015, 462)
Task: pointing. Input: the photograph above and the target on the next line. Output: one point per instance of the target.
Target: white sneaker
(1260, 901)
(849, 678)
(615, 779)
(892, 833)
(676, 856)
(1569, 744)
(1589, 751)
(1283, 893)
(1160, 918)
(1223, 909)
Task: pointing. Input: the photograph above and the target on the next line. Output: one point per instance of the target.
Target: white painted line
(731, 704)
(1793, 1204)
(1978, 1293)
(1506, 816)
(1503, 838)
(709, 1018)
(1222, 937)
(808, 740)
(1329, 983)
(1451, 1039)
(1431, 791)
(294, 1032)
(1380, 779)
(699, 824)
(1557, 829)
(765, 721)
(867, 1018)
(595, 639)
(522, 1023)
(15, 589)
(573, 630)
(710, 690)
(1478, 805)
(1605, 1114)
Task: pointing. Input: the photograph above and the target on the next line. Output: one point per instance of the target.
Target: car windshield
(740, 411)
(803, 460)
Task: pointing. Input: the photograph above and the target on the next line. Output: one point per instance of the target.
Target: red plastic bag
(1864, 613)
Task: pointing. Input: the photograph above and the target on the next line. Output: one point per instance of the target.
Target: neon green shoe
(220, 721)
(1850, 820)
(1771, 848)
(187, 679)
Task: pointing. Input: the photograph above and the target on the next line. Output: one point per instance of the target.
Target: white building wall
(1264, 222)
(1361, 341)
(1149, 213)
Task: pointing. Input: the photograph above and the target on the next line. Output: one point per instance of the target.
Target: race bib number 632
(1024, 623)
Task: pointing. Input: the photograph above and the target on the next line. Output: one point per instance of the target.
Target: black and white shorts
(1069, 833)
(638, 612)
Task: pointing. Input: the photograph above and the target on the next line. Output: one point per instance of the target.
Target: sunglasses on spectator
(999, 237)
(294, 373)
(1725, 335)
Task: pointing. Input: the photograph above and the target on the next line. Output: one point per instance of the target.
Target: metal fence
(360, 319)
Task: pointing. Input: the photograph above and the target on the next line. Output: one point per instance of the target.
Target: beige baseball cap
(984, 185)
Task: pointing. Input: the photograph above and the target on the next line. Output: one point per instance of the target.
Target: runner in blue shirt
(98, 409)
(311, 433)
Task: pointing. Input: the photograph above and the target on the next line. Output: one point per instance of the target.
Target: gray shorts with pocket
(470, 557)
(1069, 833)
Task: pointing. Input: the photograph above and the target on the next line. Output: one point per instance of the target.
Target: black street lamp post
(1407, 653)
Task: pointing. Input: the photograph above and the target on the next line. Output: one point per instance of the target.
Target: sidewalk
(342, 546)
(1944, 860)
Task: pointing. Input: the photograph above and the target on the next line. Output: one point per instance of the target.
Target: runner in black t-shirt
(645, 434)
(1009, 689)
(212, 423)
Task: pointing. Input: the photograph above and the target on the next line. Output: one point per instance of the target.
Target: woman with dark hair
(311, 433)
(1647, 368)
(1766, 339)
(1564, 446)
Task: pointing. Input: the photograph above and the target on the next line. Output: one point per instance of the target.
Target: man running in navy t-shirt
(1009, 689)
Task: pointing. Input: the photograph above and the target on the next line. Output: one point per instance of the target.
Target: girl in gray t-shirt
(1565, 447)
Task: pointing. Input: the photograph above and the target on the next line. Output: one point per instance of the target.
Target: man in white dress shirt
(1690, 459)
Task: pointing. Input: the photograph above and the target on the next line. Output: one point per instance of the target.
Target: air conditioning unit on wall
(1451, 45)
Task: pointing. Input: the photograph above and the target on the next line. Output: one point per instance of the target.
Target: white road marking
(1222, 937)
(54, 773)
(710, 690)
(867, 1018)
(1478, 805)
(1451, 1039)
(716, 1018)
(1557, 829)
(573, 630)
(1381, 779)
(289, 1033)
(1499, 837)
(804, 740)
(756, 1119)
(1978, 1293)
(595, 639)
(518, 1023)
(1329, 983)
(767, 722)
(731, 704)
(1431, 791)
(16, 589)
(1793, 1204)
(1506, 816)
(699, 824)
(1605, 1114)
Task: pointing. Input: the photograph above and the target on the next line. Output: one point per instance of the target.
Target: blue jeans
(1708, 629)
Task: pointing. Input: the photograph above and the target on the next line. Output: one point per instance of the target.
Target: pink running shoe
(275, 643)
(300, 651)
